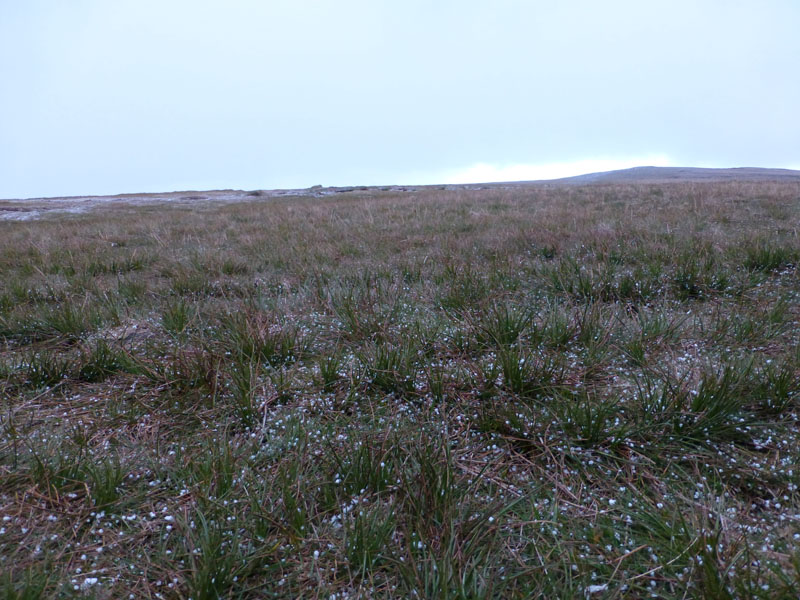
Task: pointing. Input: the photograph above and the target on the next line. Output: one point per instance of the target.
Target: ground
(467, 392)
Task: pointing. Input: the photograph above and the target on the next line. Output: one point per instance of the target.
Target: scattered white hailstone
(596, 589)
(89, 582)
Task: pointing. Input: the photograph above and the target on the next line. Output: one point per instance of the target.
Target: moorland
(557, 391)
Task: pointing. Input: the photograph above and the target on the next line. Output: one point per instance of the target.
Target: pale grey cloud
(121, 96)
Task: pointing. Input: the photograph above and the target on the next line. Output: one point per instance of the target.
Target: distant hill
(689, 174)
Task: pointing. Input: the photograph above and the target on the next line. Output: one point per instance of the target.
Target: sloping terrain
(683, 174)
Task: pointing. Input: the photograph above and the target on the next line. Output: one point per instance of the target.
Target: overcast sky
(103, 97)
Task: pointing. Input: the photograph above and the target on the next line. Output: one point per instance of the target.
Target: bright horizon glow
(488, 173)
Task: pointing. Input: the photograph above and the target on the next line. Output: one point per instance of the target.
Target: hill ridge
(666, 174)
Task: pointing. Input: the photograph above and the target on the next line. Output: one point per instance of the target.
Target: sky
(100, 97)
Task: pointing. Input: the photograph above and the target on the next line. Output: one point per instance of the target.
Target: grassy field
(564, 392)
